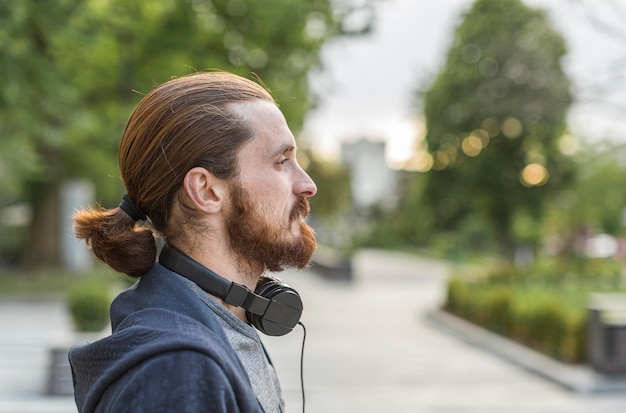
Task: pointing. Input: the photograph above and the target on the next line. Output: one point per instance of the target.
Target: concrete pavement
(369, 348)
(28, 328)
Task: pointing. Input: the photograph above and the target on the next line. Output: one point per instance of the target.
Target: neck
(227, 265)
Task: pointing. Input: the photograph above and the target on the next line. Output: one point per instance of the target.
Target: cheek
(272, 196)
(270, 206)
(277, 211)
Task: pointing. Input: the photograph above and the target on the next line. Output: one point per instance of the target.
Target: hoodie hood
(157, 315)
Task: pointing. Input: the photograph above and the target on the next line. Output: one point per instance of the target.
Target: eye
(282, 162)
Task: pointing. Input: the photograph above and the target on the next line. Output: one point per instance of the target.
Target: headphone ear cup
(283, 312)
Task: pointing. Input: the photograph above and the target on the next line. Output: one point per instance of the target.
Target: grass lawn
(54, 282)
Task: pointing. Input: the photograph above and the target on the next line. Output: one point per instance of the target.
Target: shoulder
(158, 288)
(152, 332)
(181, 381)
(153, 350)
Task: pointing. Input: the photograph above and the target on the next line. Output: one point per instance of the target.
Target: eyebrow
(283, 149)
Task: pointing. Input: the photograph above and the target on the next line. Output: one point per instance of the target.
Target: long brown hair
(184, 123)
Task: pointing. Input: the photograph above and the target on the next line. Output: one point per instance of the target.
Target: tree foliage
(494, 116)
(73, 70)
(594, 204)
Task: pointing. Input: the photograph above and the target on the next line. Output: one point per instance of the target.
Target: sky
(368, 84)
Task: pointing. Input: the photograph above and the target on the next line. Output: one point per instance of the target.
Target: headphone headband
(274, 308)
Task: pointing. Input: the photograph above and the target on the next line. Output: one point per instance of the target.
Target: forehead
(270, 132)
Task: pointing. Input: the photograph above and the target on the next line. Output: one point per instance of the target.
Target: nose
(305, 187)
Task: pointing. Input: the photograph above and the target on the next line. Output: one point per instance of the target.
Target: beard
(264, 245)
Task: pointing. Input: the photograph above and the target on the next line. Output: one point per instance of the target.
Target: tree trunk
(42, 247)
(506, 243)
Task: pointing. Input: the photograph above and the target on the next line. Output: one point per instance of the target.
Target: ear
(205, 191)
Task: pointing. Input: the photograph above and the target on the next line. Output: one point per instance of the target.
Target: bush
(88, 303)
(543, 307)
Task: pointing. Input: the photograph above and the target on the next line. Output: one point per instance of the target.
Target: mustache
(301, 209)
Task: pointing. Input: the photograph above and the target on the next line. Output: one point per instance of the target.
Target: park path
(372, 349)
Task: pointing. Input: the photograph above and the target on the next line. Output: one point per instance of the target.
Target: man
(209, 165)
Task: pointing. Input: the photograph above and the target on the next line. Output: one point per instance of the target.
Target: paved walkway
(27, 329)
(369, 348)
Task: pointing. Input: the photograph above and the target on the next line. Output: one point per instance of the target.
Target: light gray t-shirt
(247, 344)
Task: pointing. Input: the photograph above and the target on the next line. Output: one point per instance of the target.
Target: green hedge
(540, 321)
(543, 307)
(88, 303)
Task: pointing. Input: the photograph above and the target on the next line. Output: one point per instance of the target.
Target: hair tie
(131, 209)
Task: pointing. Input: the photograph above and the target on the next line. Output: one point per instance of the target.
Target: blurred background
(488, 135)
(398, 107)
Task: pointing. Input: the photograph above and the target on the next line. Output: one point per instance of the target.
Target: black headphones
(274, 308)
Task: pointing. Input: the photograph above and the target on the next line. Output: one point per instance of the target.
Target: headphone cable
(302, 366)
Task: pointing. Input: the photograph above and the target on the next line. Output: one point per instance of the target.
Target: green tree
(36, 103)
(598, 201)
(595, 202)
(494, 116)
(75, 69)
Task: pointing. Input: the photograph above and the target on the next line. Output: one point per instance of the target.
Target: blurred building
(373, 182)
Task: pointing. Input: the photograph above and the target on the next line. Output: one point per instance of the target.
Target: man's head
(224, 130)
